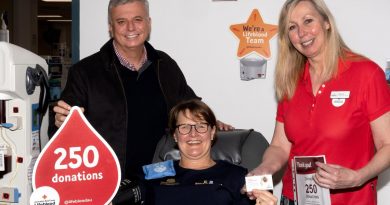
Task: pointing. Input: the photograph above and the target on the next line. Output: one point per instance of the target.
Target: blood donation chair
(244, 147)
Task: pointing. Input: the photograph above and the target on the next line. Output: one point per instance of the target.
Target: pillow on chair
(242, 147)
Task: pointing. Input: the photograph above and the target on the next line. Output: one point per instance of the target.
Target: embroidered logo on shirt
(204, 182)
(170, 181)
(339, 97)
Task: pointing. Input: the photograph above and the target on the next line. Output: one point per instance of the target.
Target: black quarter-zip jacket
(95, 83)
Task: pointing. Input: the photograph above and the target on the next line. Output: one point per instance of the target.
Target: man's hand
(224, 126)
(62, 110)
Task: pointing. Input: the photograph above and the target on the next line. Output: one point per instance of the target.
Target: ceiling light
(49, 16)
(59, 20)
(57, 0)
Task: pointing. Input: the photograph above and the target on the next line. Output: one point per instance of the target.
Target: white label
(338, 102)
(339, 94)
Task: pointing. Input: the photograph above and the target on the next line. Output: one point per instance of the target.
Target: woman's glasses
(186, 128)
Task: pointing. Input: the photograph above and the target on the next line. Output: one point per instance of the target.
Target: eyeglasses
(186, 128)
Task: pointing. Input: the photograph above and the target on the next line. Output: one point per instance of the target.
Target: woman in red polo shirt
(332, 102)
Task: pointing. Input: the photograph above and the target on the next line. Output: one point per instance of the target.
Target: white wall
(196, 34)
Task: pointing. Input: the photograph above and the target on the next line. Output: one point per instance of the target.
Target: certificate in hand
(306, 191)
(262, 182)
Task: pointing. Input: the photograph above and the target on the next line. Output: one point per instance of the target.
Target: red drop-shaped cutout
(78, 163)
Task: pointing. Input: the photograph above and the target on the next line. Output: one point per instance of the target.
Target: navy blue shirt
(217, 185)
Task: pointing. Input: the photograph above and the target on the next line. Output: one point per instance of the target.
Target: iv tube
(4, 33)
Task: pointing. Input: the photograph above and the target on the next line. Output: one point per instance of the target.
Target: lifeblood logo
(78, 164)
(254, 35)
(44, 196)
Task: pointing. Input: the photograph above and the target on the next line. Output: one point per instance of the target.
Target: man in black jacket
(127, 88)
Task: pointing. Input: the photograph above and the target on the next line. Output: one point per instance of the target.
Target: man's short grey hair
(115, 3)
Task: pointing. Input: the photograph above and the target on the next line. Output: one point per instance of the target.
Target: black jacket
(94, 83)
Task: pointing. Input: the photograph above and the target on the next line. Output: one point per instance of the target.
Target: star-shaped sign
(254, 35)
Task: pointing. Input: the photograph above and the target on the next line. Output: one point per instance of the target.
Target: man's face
(130, 25)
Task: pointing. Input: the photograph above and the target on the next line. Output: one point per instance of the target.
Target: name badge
(339, 94)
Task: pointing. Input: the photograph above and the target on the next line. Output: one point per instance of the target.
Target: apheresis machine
(24, 97)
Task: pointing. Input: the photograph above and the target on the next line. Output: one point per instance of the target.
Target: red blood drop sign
(78, 163)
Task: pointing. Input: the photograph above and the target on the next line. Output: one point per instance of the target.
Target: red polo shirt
(336, 123)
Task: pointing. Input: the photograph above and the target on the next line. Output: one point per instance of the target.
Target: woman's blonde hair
(290, 62)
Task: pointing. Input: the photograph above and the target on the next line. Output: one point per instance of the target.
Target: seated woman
(196, 177)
